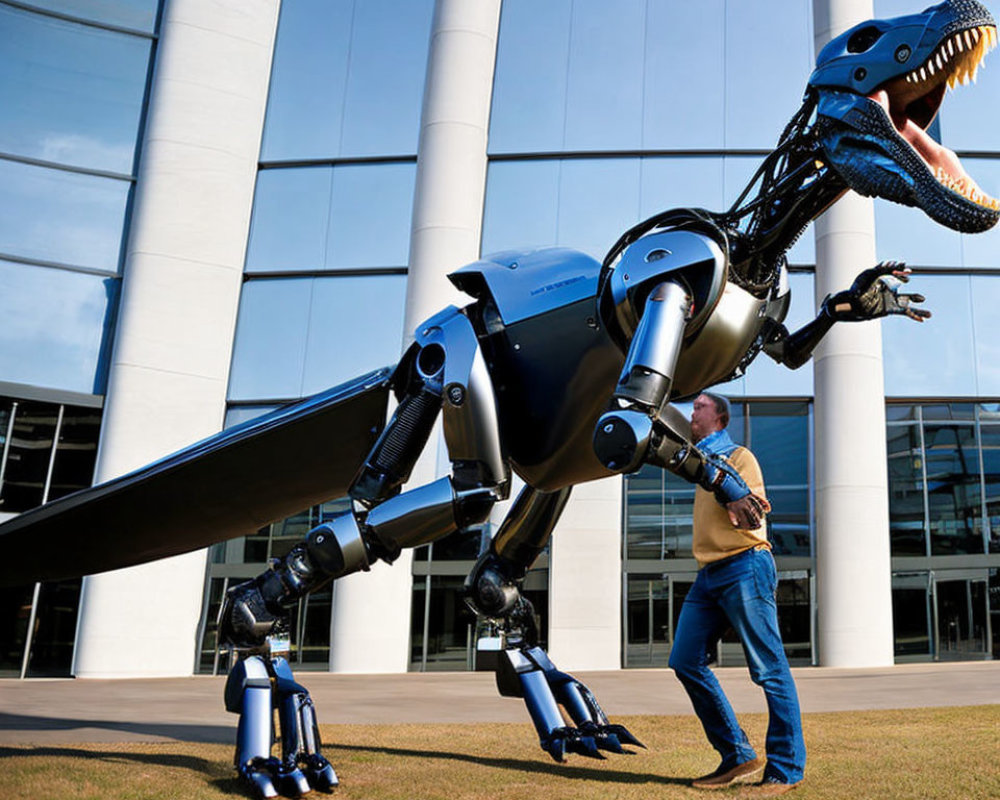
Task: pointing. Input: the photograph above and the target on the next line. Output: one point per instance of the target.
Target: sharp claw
(609, 742)
(584, 746)
(555, 746)
(622, 734)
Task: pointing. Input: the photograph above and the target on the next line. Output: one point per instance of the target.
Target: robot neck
(791, 188)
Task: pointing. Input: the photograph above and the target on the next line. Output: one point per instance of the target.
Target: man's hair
(721, 406)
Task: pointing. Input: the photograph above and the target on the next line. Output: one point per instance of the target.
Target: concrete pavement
(190, 709)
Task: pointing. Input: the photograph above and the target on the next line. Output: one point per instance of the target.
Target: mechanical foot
(530, 674)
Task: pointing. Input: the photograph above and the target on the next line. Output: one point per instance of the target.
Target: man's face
(704, 417)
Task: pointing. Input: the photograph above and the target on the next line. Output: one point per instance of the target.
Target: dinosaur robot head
(879, 85)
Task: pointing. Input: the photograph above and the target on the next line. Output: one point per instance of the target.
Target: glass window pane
(990, 441)
(605, 86)
(52, 215)
(529, 87)
(137, 14)
(385, 80)
(953, 489)
(314, 39)
(986, 328)
(644, 513)
(71, 93)
(372, 57)
(598, 200)
(292, 333)
(935, 358)
(778, 43)
(906, 491)
(684, 78)
(291, 212)
(909, 621)
(28, 457)
(355, 326)
(779, 438)
(56, 327)
(370, 211)
(76, 451)
(765, 377)
(983, 249)
(681, 182)
(270, 346)
(314, 218)
(522, 205)
(907, 234)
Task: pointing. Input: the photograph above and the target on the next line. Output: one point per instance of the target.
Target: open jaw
(911, 101)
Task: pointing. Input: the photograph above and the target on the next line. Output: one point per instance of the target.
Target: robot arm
(642, 426)
(874, 293)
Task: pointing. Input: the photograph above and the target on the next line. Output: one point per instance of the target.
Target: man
(736, 586)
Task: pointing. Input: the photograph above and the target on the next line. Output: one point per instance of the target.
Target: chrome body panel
(470, 420)
(717, 348)
(693, 259)
(526, 283)
(658, 340)
(416, 516)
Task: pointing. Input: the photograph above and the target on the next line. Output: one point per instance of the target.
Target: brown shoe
(720, 779)
(769, 787)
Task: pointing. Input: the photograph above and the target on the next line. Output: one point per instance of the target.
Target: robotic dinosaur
(560, 370)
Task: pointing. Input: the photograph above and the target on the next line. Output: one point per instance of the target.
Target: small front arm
(874, 294)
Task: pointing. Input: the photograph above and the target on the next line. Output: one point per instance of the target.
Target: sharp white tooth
(930, 67)
(951, 47)
(975, 34)
(958, 41)
(968, 39)
(923, 74)
(940, 61)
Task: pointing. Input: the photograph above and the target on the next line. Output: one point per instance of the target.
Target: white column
(853, 567)
(183, 270)
(585, 579)
(371, 613)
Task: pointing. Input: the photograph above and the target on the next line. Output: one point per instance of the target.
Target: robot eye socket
(863, 39)
(656, 255)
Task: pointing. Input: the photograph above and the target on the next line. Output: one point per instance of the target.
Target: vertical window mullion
(923, 481)
(6, 444)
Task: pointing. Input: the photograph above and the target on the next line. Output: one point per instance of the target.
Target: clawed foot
(271, 777)
(588, 740)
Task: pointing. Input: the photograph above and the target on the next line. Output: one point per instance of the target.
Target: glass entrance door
(961, 618)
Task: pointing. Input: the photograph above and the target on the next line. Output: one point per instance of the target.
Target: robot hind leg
(300, 740)
(523, 669)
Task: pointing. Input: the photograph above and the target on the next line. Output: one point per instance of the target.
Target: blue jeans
(739, 591)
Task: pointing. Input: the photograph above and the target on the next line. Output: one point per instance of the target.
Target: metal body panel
(553, 375)
(469, 416)
(690, 258)
(526, 283)
(717, 348)
(227, 485)
(415, 517)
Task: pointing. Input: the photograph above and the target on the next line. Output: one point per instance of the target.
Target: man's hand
(748, 511)
(875, 293)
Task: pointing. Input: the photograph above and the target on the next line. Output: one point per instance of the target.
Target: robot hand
(247, 618)
(875, 293)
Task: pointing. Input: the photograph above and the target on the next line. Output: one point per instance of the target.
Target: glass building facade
(74, 93)
(602, 114)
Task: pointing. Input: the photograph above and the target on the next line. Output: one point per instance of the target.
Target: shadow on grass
(214, 771)
(217, 734)
(519, 765)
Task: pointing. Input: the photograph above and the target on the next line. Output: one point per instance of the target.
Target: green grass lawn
(949, 753)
